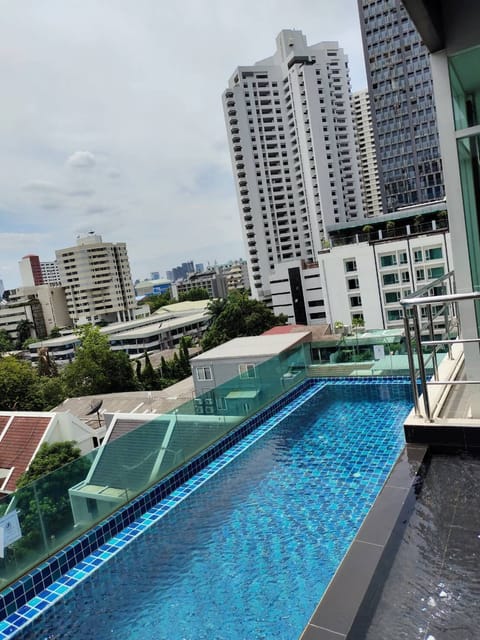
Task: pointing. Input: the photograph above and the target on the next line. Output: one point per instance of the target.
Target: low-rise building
(160, 330)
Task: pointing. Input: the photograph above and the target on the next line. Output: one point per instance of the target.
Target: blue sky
(112, 120)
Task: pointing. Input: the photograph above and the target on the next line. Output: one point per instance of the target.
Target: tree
(19, 389)
(42, 494)
(55, 333)
(96, 368)
(158, 300)
(197, 293)
(148, 377)
(6, 343)
(49, 458)
(184, 358)
(241, 316)
(24, 332)
(46, 366)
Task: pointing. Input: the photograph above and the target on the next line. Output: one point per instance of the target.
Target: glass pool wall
(249, 553)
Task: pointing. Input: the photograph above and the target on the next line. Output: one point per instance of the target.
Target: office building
(97, 280)
(293, 152)
(403, 110)
(367, 155)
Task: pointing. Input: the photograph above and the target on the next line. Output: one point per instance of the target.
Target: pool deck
(353, 591)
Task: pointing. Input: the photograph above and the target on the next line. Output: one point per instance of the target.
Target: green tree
(19, 389)
(184, 358)
(149, 378)
(240, 316)
(6, 343)
(96, 368)
(55, 333)
(24, 331)
(198, 293)
(49, 458)
(158, 300)
(42, 494)
(51, 392)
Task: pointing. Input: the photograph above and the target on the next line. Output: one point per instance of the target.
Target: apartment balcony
(443, 356)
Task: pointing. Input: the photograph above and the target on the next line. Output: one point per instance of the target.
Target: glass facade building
(403, 109)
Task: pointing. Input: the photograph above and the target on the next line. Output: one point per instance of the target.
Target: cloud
(81, 160)
(41, 187)
(94, 137)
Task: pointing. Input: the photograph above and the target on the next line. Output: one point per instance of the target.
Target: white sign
(9, 530)
(378, 351)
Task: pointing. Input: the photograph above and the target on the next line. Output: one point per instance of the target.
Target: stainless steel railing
(440, 329)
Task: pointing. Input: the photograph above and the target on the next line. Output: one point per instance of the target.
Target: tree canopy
(96, 368)
(238, 316)
(19, 389)
(197, 293)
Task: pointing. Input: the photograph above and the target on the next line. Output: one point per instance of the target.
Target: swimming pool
(249, 553)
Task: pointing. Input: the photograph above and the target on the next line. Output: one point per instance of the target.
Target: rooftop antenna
(95, 408)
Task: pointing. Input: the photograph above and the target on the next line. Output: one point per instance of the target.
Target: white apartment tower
(97, 280)
(362, 117)
(50, 273)
(293, 151)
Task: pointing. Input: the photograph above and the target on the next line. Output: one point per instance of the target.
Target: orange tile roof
(19, 444)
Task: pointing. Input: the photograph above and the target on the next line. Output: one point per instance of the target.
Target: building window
(405, 276)
(350, 265)
(352, 284)
(246, 370)
(418, 255)
(420, 275)
(204, 373)
(390, 278)
(434, 254)
(355, 301)
(394, 314)
(402, 258)
(388, 261)
(435, 272)
(392, 296)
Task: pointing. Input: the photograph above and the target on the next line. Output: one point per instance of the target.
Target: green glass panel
(465, 87)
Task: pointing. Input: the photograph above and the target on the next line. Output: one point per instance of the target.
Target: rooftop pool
(245, 549)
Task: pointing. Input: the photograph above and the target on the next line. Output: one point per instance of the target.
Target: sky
(111, 121)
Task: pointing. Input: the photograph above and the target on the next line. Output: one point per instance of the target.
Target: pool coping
(346, 606)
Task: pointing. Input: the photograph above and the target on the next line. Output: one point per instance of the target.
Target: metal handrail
(410, 304)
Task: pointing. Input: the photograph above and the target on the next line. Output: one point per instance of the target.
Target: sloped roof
(19, 441)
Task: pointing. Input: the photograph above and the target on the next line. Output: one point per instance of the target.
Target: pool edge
(348, 600)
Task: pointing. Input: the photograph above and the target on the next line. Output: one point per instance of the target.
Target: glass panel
(465, 85)
(468, 155)
(388, 261)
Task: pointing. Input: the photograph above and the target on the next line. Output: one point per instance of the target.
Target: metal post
(421, 364)
(432, 337)
(411, 363)
(40, 517)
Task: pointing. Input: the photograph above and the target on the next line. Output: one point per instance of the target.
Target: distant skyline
(112, 121)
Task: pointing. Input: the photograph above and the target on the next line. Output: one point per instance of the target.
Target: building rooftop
(263, 345)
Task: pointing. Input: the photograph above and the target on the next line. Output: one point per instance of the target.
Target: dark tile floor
(433, 588)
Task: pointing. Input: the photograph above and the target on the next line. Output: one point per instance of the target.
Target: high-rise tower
(403, 110)
(367, 155)
(97, 280)
(293, 152)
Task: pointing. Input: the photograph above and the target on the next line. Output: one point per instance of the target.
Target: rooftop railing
(432, 325)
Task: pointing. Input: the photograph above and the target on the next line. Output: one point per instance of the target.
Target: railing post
(432, 338)
(421, 364)
(411, 363)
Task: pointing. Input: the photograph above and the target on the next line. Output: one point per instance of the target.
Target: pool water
(249, 554)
